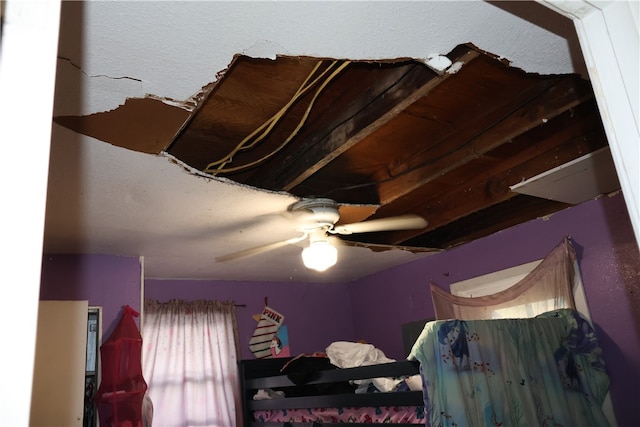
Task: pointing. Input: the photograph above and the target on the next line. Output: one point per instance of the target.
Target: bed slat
(404, 398)
(395, 369)
(265, 374)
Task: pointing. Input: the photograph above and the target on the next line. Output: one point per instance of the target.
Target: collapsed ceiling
(445, 138)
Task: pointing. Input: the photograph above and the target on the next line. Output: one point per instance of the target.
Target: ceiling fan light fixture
(317, 219)
(319, 255)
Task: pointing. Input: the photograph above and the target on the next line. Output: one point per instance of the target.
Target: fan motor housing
(324, 213)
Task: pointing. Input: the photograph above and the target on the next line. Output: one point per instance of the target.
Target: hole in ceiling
(446, 137)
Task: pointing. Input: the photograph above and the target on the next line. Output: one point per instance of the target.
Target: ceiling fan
(316, 219)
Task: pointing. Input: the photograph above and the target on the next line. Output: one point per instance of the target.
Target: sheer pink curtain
(189, 361)
(548, 287)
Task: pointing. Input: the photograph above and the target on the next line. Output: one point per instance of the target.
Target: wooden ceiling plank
(319, 149)
(492, 187)
(580, 126)
(401, 88)
(507, 214)
(249, 93)
(479, 95)
(568, 93)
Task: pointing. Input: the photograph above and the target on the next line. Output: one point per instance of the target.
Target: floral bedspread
(545, 371)
(387, 414)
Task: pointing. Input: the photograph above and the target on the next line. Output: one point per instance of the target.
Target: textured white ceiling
(105, 199)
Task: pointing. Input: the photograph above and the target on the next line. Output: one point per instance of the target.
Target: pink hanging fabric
(551, 280)
(122, 389)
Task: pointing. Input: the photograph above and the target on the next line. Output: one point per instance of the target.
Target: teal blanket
(545, 371)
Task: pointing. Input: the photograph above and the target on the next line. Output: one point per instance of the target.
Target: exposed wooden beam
(567, 137)
(566, 94)
(509, 213)
(399, 89)
(486, 191)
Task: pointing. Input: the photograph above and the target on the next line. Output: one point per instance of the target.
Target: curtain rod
(237, 305)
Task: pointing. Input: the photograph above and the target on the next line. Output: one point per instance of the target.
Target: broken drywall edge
(265, 49)
(188, 105)
(208, 177)
(145, 125)
(375, 247)
(186, 167)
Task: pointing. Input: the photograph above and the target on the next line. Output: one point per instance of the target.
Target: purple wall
(108, 281)
(315, 314)
(610, 266)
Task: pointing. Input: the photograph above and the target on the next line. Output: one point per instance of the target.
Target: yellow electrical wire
(295, 131)
(275, 119)
(270, 123)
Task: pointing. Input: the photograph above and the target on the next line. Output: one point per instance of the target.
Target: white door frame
(28, 58)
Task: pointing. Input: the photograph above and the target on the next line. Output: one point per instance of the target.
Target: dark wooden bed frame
(265, 374)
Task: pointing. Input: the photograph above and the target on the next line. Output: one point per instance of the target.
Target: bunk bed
(327, 395)
(474, 370)
(546, 370)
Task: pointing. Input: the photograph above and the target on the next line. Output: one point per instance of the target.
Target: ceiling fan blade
(403, 222)
(259, 249)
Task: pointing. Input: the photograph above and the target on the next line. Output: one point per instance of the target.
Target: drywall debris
(457, 66)
(438, 63)
(188, 105)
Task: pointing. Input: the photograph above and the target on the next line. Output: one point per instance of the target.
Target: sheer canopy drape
(190, 362)
(548, 287)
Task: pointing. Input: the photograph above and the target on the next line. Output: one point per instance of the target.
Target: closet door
(57, 398)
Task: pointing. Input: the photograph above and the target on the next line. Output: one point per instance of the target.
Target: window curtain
(548, 287)
(190, 363)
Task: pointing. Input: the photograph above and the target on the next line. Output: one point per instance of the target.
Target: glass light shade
(320, 255)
